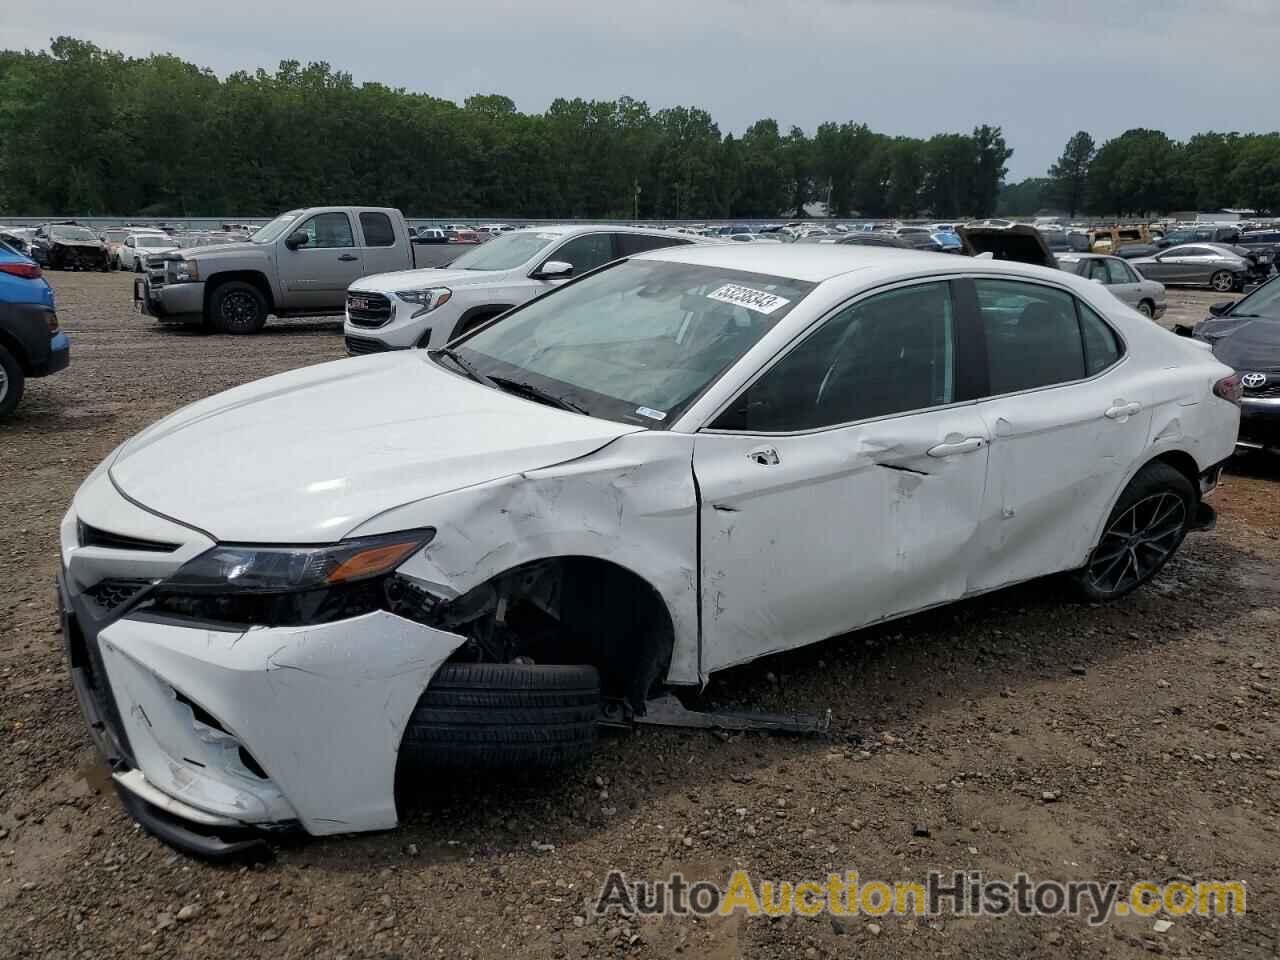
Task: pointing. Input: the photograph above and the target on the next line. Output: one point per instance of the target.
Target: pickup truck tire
(502, 716)
(236, 307)
(12, 382)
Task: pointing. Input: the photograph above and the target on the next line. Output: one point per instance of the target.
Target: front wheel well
(475, 316)
(247, 276)
(571, 609)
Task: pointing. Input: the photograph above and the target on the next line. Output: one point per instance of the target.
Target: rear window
(377, 229)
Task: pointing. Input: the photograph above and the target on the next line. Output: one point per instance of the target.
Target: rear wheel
(1223, 281)
(237, 307)
(1144, 530)
(12, 382)
(502, 716)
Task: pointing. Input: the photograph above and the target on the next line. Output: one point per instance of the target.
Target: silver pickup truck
(299, 264)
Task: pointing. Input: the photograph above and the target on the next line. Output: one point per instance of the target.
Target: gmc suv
(428, 308)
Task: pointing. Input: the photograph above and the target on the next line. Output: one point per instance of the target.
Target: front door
(316, 275)
(844, 484)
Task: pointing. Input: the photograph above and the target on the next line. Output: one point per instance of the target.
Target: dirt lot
(1151, 726)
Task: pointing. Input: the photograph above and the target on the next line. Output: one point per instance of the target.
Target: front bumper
(170, 301)
(215, 733)
(1260, 422)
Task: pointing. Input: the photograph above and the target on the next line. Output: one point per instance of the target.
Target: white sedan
(280, 596)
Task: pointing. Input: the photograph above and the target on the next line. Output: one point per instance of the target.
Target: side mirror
(1221, 308)
(554, 270)
(296, 240)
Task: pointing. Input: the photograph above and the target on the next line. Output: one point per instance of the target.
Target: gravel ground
(1151, 725)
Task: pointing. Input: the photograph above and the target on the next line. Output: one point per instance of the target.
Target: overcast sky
(1041, 69)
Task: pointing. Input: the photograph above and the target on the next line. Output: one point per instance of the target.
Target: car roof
(815, 263)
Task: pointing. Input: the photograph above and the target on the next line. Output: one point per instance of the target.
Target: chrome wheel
(1222, 281)
(1138, 543)
(1144, 308)
(4, 383)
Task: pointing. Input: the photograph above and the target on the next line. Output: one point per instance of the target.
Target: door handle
(348, 257)
(967, 445)
(1122, 411)
(765, 456)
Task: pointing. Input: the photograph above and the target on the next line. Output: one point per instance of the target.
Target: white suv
(428, 308)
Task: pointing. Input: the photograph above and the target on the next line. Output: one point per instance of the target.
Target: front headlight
(249, 569)
(428, 299)
(184, 271)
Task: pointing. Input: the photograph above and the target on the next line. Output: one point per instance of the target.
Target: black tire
(115, 263)
(1139, 549)
(1146, 308)
(12, 382)
(238, 308)
(503, 716)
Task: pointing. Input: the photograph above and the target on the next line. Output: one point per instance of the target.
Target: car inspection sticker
(756, 300)
(651, 413)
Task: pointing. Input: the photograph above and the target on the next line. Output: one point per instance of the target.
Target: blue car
(31, 345)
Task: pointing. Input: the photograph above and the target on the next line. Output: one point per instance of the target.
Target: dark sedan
(1246, 336)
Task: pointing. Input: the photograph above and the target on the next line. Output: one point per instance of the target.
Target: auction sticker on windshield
(757, 300)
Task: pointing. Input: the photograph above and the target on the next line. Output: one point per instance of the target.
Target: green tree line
(90, 131)
(1144, 171)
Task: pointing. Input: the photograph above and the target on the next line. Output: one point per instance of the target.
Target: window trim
(1077, 299)
(958, 328)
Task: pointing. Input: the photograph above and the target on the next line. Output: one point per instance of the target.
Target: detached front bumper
(216, 733)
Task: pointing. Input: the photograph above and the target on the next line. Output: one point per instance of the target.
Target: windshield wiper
(463, 365)
(537, 393)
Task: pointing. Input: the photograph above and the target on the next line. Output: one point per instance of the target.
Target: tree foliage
(89, 131)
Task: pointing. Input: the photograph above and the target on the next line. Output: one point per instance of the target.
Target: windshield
(154, 242)
(276, 227)
(1263, 302)
(115, 235)
(506, 251)
(638, 341)
(71, 233)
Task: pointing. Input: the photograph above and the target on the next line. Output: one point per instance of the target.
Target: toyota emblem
(1254, 380)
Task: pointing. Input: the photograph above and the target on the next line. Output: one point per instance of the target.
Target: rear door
(316, 275)
(1066, 424)
(385, 247)
(1122, 281)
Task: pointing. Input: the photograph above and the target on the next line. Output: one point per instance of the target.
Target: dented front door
(807, 536)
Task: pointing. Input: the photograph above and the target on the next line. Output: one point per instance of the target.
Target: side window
(1101, 346)
(1098, 270)
(378, 231)
(1119, 272)
(326, 230)
(629, 243)
(1033, 337)
(586, 253)
(892, 353)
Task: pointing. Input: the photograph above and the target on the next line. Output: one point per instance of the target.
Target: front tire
(1146, 309)
(1145, 529)
(502, 716)
(237, 308)
(1223, 281)
(12, 382)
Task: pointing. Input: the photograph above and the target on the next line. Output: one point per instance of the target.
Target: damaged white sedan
(284, 600)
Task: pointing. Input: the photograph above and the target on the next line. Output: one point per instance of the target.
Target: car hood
(426, 277)
(215, 250)
(307, 456)
(1245, 344)
(1021, 243)
(95, 244)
